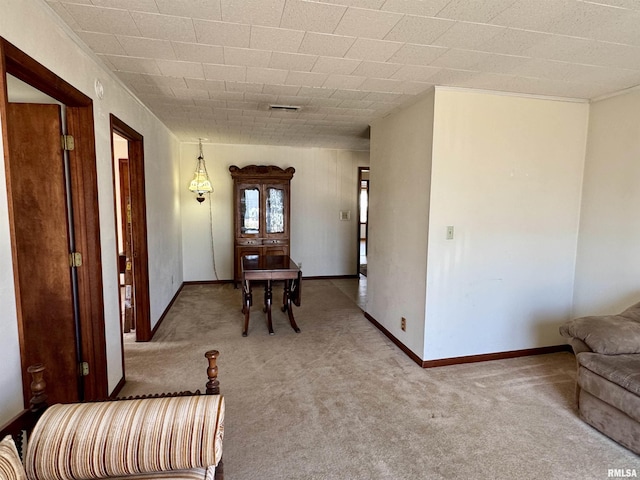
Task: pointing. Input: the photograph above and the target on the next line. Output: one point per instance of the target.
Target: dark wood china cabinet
(261, 212)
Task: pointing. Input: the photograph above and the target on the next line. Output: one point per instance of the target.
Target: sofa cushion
(623, 370)
(607, 334)
(10, 465)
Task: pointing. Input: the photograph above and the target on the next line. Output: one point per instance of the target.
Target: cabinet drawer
(275, 241)
(249, 241)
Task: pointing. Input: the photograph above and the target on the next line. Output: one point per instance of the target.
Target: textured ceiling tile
(103, 20)
(190, 93)
(453, 77)
(557, 47)
(416, 88)
(221, 33)
(411, 7)
(358, 22)
(322, 44)
(147, 47)
(372, 4)
(334, 65)
(538, 15)
(164, 27)
(172, 68)
(194, 52)
(266, 75)
(276, 39)
(316, 92)
(461, 59)
(376, 69)
(513, 42)
(419, 30)
(63, 13)
(375, 50)
(292, 61)
(203, 9)
(171, 82)
(417, 54)
(348, 94)
(416, 73)
(539, 68)
(467, 35)
(480, 11)
(382, 85)
(254, 12)
(585, 19)
(345, 82)
(496, 63)
(281, 89)
(230, 73)
(209, 85)
(244, 87)
(311, 16)
(623, 29)
(306, 79)
(609, 55)
(247, 57)
(102, 43)
(132, 64)
(148, 6)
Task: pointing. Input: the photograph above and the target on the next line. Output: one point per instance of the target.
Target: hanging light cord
(213, 250)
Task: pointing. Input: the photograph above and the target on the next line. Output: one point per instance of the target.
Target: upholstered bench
(177, 436)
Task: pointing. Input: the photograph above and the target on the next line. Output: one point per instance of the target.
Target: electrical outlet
(403, 324)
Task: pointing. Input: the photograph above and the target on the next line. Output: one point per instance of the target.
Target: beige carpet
(340, 401)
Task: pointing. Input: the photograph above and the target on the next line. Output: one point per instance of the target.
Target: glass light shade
(200, 183)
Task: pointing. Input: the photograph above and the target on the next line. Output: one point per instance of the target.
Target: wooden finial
(213, 385)
(38, 400)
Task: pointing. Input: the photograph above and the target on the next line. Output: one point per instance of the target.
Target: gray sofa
(607, 350)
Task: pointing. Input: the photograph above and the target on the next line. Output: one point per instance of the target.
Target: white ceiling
(211, 68)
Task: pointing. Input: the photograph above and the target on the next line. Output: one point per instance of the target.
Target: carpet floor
(340, 401)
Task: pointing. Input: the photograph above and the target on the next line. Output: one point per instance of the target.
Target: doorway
(363, 219)
(131, 227)
(52, 197)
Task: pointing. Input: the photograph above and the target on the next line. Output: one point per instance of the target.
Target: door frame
(360, 171)
(84, 187)
(138, 226)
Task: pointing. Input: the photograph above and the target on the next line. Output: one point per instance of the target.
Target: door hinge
(68, 142)
(84, 369)
(75, 259)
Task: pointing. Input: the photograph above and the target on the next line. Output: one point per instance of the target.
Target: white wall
(398, 220)
(507, 174)
(325, 182)
(607, 279)
(55, 48)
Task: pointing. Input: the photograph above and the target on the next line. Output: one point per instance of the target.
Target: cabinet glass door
(275, 210)
(250, 211)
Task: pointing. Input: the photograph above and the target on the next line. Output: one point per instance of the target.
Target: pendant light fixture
(200, 183)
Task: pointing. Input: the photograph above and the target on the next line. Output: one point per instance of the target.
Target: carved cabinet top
(270, 171)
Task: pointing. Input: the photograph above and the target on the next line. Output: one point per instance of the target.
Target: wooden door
(47, 323)
(125, 214)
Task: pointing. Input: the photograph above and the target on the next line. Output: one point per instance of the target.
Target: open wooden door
(49, 329)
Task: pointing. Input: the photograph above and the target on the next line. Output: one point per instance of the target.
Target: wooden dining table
(267, 269)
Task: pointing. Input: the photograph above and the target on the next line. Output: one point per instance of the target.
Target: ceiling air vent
(284, 108)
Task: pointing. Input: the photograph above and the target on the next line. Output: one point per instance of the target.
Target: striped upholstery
(191, 474)
(10, 466)
(122, 438)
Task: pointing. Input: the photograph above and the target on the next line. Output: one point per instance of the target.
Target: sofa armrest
(104, 439)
